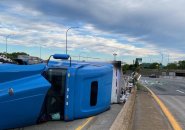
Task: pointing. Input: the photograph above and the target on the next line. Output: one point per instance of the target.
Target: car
(153, 76)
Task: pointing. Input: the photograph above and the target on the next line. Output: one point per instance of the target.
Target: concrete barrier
(172, 77)
(124, 119)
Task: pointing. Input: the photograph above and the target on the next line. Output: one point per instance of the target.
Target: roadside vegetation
(180, 65)
(176, 65)
(13, 55)
(140, 87)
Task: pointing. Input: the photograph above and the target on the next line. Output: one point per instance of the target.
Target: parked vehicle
(153, 76)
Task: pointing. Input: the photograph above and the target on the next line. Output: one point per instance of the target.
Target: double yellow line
(165, 110)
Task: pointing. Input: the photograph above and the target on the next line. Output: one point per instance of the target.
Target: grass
(140, 87)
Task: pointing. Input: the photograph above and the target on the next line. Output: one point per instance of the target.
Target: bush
(141, 87)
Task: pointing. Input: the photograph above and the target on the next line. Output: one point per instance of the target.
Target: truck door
(56, 94)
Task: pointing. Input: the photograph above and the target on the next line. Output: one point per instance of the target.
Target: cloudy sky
(130, 28)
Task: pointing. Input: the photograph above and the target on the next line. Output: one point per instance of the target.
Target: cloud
(156, 22)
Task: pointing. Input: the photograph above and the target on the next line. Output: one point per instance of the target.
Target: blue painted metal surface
(79, 83)
(9, 72)
(61, 56)
(79, 78)
(23, 106)
(30, 88)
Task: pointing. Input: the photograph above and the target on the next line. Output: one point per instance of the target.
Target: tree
(181, 64)
(11, 56)
(172, 66)
(137, 67)
(136, 64)
(145, 65)
(154, 65)
(14, 55)
(125, 68)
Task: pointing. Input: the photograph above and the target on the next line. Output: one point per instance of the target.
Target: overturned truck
(58, 90)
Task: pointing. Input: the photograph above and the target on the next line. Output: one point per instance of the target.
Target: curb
(124, 118)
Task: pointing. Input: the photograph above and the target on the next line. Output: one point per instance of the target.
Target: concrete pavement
(148, 115)
(172, 93)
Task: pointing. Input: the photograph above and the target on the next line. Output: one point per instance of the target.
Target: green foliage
(154, 65)
(177, 65)
(136, 64)
(172, 66)
(145, 65)
(181, 64)
(125, 68)
(141, 87)
(14, 55)
(131, 67)
(136, 67)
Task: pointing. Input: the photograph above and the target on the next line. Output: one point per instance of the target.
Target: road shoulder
(147, 114)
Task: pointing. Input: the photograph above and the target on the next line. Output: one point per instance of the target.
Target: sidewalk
(147, 114)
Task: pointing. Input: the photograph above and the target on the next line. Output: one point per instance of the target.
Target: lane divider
(85, 123)
(165, 110)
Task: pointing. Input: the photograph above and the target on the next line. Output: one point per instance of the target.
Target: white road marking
(179, 91)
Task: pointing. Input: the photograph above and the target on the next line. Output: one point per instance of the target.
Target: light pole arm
(66, 36)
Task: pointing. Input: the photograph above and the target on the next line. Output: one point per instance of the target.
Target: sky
(147, 29)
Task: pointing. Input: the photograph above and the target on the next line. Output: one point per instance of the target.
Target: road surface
(172, 93)
(101, 121)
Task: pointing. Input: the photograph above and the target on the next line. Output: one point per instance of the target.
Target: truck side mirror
(60, 56)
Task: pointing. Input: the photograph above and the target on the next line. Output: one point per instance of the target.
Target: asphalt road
(172, 93)
(101, 121)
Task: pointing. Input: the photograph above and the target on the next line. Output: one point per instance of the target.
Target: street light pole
(161, 59)
(40, 51)
(66, 36)
(7, 44)
(41, 46)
